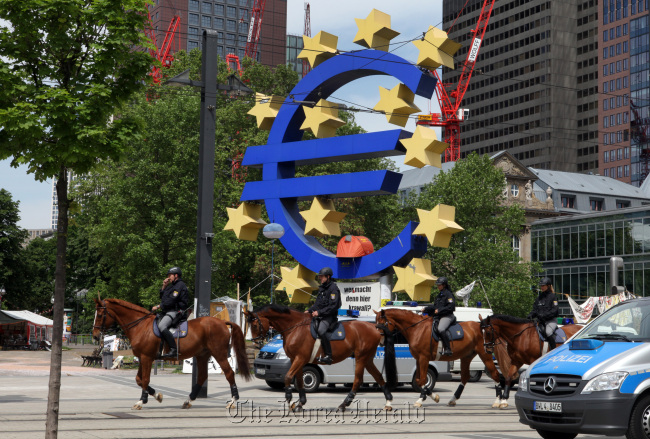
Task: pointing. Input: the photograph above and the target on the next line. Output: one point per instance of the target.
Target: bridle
(259, 327)
(102, 328)
(488, 344)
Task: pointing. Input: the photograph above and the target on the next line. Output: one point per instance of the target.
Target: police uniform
(327, 304)
(173, 299)
(445, 304)
(546, 310)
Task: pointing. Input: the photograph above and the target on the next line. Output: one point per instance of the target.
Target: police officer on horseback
(545, 311)
(325, 310)
(173, 300)
(444, 307)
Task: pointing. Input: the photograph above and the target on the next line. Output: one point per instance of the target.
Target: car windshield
(629, 321)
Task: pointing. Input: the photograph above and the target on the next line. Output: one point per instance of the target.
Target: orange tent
(354, 246)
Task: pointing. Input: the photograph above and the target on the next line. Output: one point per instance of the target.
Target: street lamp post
(2, 294)
(273, 231)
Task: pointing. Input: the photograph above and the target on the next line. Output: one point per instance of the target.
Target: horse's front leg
(465, 363)
(422, 370)
(494, 373)
(374, 372)
(506, 391)
(142, 379)
(295, 371)
(302, 395)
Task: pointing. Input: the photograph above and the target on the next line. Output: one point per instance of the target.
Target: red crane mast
(306, 67)
(170, 44)
(451, 114)
(255, 28)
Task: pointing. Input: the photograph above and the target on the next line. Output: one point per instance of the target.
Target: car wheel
(311, 379)
(639, 425)
(475, 376)
(432, 377)
(555, 435)
(277, 385)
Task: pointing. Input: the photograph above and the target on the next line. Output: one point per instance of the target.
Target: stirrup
(325, 360)
(446, 352)
(173, 353)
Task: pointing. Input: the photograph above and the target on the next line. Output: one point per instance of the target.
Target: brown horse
(361, 340)
(523, 343)
(417, 331)
(206, 336)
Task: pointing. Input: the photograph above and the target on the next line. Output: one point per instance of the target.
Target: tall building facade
(534, 92)
(294, 47)
(231, 19)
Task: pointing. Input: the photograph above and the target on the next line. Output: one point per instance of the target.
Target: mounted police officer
(545, 311)
(325, 310)
(173, 300)
(444, 307)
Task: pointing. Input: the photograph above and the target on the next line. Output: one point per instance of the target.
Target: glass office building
(575, 251)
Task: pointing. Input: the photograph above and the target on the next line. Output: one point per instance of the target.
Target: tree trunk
(52, 419)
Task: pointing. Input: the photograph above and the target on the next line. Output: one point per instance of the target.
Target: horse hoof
(436, 398)
(451, 403)
(159, 397)
(388, 408)
(137, 406)
(495, 405)
(230, 405)
(340, 408)
(186, 405)
(503, 405)
(417, 404)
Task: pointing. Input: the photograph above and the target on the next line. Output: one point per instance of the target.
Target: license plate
(260, 371)
(541, 406)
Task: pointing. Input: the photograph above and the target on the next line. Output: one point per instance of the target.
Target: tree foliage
(11, 237)
(484, 249)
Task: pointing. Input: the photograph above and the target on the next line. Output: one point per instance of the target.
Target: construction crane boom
(164, 54)
(255, 28)
(451, 114)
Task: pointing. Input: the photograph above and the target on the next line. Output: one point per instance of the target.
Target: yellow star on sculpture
(423, 148)
(266, 110)
(438, 225)
(375, 32)
(321, 219)
(245, 221)
(318, 49)
(415, 279)
(436, 49)
(298, 282)
(322, 120)
(397, 103)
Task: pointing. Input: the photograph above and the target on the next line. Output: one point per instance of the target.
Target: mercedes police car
(597, 383)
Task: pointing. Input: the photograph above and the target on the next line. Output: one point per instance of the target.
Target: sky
(409, 17)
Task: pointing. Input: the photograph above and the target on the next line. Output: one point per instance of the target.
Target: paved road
(99, 406)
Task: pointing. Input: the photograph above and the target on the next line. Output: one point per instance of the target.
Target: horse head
(103, 318)
(489, 339)
(259, 327)
(383, 323)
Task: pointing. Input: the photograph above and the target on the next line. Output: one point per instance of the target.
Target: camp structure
(22, 329)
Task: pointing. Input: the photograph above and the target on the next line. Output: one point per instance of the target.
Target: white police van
(596, 383)
(272, 364)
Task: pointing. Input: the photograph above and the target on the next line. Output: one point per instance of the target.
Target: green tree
(11, 237)
(32, 285)
(65, 68)
(484, 249)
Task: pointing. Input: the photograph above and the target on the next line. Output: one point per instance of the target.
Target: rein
(264, 331)
(495, 341)
(403, 331)
(127, 326)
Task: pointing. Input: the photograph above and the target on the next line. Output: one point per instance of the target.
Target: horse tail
(239, 346)
(390, 363)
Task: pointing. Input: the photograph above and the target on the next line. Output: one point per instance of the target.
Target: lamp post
(273, 231)
(2, 294)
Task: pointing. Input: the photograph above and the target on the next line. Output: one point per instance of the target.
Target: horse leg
(506, 391)
(372, 370)
(465, 363)
(422, 369)
(230, 376)
(358, 380)
(202, 375)
(302, 395)
(142, 379)
(294, 371)
(499, 384)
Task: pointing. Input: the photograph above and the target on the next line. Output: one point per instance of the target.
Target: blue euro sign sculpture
(281, 190)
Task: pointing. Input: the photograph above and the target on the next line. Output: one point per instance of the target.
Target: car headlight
(281, 355)
(523, 382)
(605, 381)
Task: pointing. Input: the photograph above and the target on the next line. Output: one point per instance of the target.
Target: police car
(597, 383)
(272, 364)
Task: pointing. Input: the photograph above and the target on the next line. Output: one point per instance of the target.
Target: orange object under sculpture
(354, 246)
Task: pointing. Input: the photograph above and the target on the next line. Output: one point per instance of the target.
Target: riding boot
(445, 344)
(169, 339)
(551, 342)
(327, 351)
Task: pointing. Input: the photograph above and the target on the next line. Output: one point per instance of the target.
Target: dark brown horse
(206, 336)
(361, 340)
(417, 331)
(523, 343)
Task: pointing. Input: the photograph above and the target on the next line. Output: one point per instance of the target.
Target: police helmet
(326, 271)
(545, 281)
(175, 270)
(441, 281)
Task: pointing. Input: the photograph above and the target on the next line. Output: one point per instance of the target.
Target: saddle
(335, 332)
(455, 331)
(559, 334)
(178, 327)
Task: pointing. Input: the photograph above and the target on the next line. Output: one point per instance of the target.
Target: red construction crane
(255, 28)
(306, 67)
(451, 114)
(170, 44)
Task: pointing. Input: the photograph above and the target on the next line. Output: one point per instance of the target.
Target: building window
(622, 204)
(626, 150)
(606, 172)
(606, 157)
(611, 155)
(605, 104)
(230, 38)
(243, 27)
(193, 31)
(218, 23)
(619, 172)
(626, 170)
(568, 202)
(192, 45)
(605, 87)
(206, 8)
(206, 21)
(194, 19)
(596, 205)
(219, 9)
(231, 25)
(515, 244)
(514, 190)
(194, 5)
(232, 12)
